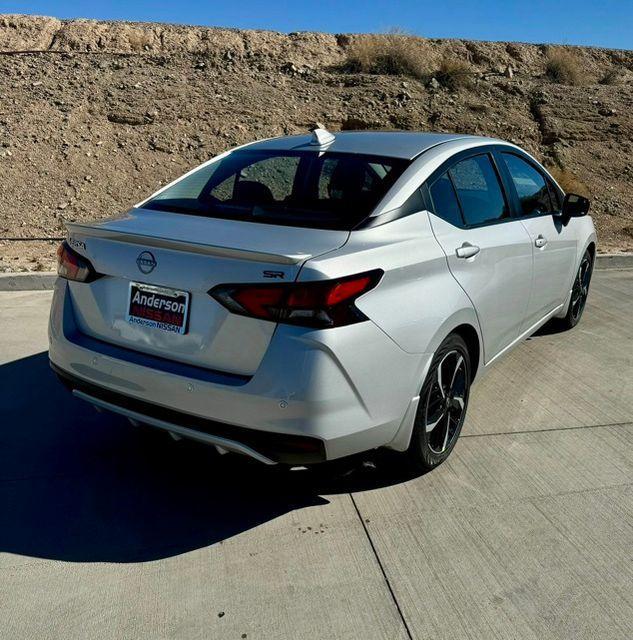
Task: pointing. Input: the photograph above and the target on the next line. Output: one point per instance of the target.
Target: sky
(583, 22)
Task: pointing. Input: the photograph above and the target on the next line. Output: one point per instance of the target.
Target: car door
(488, 251)
(553, 243)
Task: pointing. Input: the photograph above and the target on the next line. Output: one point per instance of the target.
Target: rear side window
(530, 186)
(445, 203)
(296, 188)
(479, 191)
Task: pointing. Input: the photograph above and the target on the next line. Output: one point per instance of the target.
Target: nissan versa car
(308, 297)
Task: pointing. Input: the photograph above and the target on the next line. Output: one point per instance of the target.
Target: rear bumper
(264, 446)
(317, 395)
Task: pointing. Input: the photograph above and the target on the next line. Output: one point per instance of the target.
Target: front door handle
(540, 241)
(467, 250)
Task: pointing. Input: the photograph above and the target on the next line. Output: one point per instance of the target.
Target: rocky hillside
(95, 115)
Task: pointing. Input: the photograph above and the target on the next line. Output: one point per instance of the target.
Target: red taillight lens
(313, 304)
(72, 266)
(347, 289)
(258, 301)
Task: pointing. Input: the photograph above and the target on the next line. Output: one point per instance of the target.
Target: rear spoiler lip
(187, 246)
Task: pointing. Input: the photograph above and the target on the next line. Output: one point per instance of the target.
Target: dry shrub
(610, 76)
(563, 67)
(454, 73)
(395, 53)
(139, 39)
(569, 181)
(359, 124)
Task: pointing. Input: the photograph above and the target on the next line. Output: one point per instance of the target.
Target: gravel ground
(99, 115)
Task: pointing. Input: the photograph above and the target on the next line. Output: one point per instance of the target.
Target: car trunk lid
(183, 253)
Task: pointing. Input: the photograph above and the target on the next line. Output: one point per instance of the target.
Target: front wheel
(442, 406)
(579, 292)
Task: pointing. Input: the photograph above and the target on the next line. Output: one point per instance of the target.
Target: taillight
(322, 304)
(72, 266)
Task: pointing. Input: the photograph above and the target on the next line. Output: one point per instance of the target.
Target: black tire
(580, 291)
(442, 406)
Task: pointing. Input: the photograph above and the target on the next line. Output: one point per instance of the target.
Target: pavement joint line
(382, 569)
(573, 492)
(548, 430)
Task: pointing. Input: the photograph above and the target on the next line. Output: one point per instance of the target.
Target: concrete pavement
(107, 531)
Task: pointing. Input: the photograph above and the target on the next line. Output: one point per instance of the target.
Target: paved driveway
(107, 531)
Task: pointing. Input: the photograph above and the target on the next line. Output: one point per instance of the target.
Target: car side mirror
(575, 206)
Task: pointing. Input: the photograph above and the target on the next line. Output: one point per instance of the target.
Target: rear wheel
(579, 292)
(442, 407)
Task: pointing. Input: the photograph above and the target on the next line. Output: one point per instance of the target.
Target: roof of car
(395, 144)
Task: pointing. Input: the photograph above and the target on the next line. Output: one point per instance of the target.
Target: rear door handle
(540, 241)
(467, 250)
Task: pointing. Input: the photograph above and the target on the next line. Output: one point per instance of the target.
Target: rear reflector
(72, 266)
(321, 304)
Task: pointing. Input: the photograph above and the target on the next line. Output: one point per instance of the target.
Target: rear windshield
(298, 188)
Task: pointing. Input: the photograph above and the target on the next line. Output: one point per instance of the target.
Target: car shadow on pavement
(83, 486)
(552, 327)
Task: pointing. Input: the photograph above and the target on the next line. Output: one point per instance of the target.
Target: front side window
(530, 186)
(479, 191)
(298, 188)
(554, 194)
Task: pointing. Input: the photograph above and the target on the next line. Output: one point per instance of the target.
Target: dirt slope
(97, 115)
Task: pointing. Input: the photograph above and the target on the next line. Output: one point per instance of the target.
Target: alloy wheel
(580, 290)
(446, 402)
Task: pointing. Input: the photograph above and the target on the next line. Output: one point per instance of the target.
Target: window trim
(421, 195)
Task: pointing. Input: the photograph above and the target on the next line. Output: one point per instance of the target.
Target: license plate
(158, 307)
